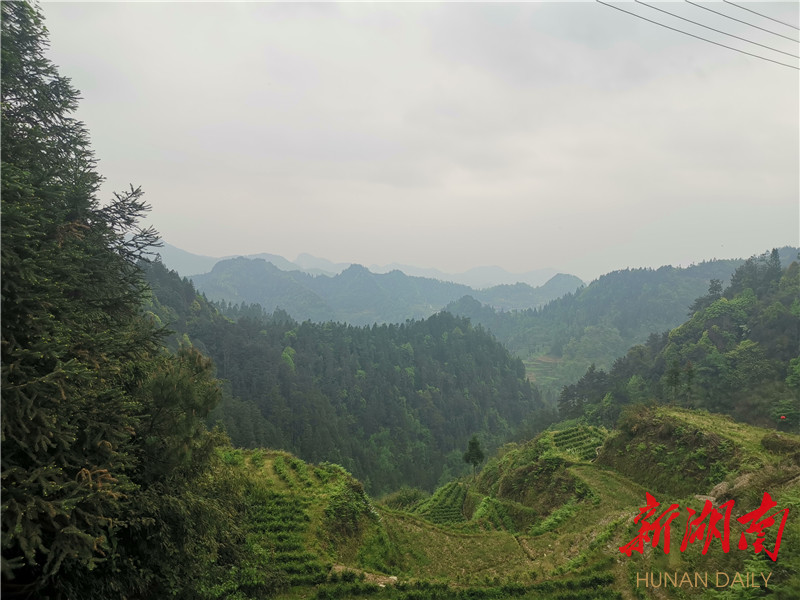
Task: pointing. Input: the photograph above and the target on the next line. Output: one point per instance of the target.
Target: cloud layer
(445, 135)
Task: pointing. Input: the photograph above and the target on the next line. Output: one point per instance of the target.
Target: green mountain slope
(543, 519)
(358, 296)
(393, 403)
(570, 504)
(737, 354)
(522, 296)
(247, 280)
(599, 322)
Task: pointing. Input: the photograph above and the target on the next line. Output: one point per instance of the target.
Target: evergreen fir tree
(474, 455)
(91, 406)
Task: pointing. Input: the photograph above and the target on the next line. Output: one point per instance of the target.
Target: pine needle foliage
(71, 332)
(104, 455)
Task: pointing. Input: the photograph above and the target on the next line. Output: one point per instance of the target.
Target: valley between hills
(261, 432)
(542, 519)
(546, 515)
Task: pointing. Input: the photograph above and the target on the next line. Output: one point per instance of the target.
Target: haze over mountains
(320, 290)
(559, 329)
(158, 444)
(357, 295)
(188, 264)
(395, 404)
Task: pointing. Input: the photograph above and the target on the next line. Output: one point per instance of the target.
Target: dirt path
(381, 580)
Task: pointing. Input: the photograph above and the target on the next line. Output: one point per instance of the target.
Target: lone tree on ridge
(474, 454)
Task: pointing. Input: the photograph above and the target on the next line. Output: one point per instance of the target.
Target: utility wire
(760, 15)
(697, 36)
(740, 21)
(717, 30)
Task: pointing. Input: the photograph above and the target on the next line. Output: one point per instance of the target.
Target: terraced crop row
(294, 472)
(301, 472)
(580, 441)
(491, 514)
(583, 557)
(282, 470)
(278, 526)
(446, 505)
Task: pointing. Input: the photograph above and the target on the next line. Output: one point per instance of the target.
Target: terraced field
(285, 507)
(446, 505)
(280, 527)
(581, 442)
(545, 521)
(542, 370)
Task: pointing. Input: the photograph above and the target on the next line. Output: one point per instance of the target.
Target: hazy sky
(525, 135)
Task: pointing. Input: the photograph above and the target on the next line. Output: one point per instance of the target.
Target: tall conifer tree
(75, 348)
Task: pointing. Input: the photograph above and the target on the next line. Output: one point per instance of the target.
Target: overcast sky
(524, 135)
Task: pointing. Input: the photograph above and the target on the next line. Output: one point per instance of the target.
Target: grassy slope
(543, 519)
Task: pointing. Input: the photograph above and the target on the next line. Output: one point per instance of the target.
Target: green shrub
(406, 498)
(347, 504)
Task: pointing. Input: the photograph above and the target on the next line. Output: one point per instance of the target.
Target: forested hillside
(188, 264)
(395, 404)
(599, 322)
(113, 486)
(737, 354)
(546, 518)
(358, 296)
(106, 462)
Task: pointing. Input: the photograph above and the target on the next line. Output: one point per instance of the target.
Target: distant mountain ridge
(357, 295)
(479, 278)
(597, 324)
(395, 403)
(736, 354)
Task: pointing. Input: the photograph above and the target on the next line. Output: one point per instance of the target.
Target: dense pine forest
(105, 456)
(395, 404)
(737, 354)
(599, 322)
(156, 444)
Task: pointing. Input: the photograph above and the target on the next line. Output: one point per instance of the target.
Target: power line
(760, 15)
(740, 21)
(717, 30)
(697, 36)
